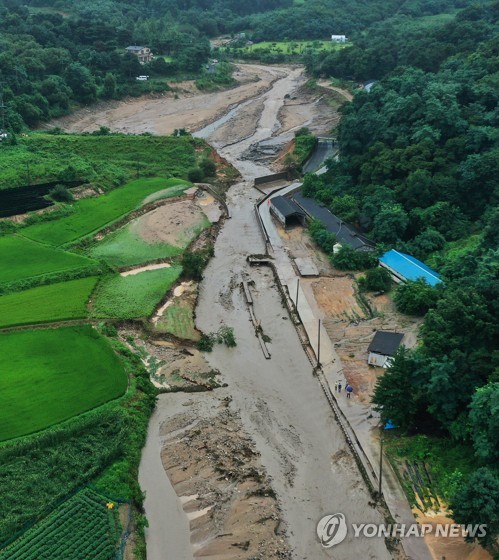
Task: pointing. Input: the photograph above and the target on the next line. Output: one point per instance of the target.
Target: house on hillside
(404, 267)
(339, 38)
(144, 54)
(383, 348)
(286, 211)
(368, 85)
(346, 234)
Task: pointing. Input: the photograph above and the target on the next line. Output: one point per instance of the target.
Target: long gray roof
(345, 233)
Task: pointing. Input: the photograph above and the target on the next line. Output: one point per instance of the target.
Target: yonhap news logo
(333, 529)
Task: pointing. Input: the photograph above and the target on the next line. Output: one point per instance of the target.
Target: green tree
(346, 207)
(81, 81)
(477, 502)
(484, 421)
(377, 280)
(208, 167)
(390, 223)
(415, 297)
(396, 396)
(350, 259)
(109, 90)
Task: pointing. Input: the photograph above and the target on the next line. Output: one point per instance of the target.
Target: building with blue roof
(404, 267)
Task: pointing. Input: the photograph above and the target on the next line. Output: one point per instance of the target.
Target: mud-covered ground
(183, 107)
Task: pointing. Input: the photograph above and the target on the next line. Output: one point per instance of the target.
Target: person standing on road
(336, 386)
(349, 390)
(339, 386)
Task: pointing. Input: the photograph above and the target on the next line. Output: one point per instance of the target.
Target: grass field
(132, 297)
(104, 160)
(81, 527)
(294, 47)
(52, 375)
(93, 214)
(22, 258)
(55, 302)
(125, 247)
(178, 320)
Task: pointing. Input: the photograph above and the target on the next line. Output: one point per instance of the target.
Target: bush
(377, 280)
(349, 259)
(195, 174)
(225, 335)
(322, 237)
(206, 343)
(208, 167)
(61, 194)
(193, 265)
(415, 298)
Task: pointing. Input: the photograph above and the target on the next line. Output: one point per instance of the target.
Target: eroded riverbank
(278, 401)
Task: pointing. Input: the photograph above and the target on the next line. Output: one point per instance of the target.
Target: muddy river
(280, 403)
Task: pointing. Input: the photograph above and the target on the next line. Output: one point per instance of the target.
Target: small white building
(339, 38)
(383, 348)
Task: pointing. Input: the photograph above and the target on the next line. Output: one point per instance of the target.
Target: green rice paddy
(134, 296)
(23, 258)
(54, 374)
(55, 302)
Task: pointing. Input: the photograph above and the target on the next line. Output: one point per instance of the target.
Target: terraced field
(56, 302)
(23, 258)
(163, 232)
(92, 214)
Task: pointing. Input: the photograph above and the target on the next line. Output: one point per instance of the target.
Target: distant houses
(404, 267)
(144, 54)
(339, 38)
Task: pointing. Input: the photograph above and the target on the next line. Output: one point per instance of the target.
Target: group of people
(348, 388)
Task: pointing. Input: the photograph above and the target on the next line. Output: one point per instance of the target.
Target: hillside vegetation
(418, 168)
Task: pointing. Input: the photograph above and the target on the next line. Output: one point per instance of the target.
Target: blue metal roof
(409, 268)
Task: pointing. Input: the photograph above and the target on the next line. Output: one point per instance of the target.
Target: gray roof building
(286, 211)
(383, 347)
(345, 233)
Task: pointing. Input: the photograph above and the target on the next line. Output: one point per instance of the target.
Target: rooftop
(345, 233)
(385, 343)
(409, 268)
(286, 207)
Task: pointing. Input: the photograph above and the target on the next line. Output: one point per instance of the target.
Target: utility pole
(380, 492)
(319, 345)
(297, 288)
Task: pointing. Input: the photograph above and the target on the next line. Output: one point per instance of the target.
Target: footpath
(358, 422)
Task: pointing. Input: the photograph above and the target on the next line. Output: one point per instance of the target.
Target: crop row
(82, 527)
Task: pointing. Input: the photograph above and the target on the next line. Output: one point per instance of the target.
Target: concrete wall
(270, 178)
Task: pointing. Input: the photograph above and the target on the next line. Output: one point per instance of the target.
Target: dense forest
(56, 55)
(418, 168)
